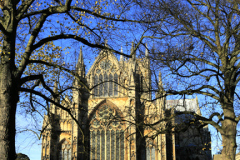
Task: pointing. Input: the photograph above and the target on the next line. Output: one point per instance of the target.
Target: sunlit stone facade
(115, 117)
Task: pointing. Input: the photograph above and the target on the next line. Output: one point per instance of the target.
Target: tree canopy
(31, 55)
(196, 44)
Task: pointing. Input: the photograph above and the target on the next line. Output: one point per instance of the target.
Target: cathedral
(118, 118)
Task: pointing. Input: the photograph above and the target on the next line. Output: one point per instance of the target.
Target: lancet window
(105, 79)
(150, 151)
(110, 85)
(115, 84)
(107, 134)
(65, 151)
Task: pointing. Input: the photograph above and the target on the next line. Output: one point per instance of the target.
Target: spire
(80, 67)
(80, 57)
(146, 51)
(121, 56)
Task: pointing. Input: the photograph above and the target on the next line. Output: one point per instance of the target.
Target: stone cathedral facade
(115, 118)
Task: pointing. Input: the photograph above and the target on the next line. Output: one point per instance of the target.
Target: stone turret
(147, 87)
(80, 97)
(160, 95)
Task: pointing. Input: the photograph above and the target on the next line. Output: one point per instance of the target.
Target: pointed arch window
(150, 151)
(65, 154)
(107, 134)
(105, 81)
(141, 83)
(65, 151)
(69, 154)
(115, 84)
(110, 85)
(106, 84)
(96, 87)
(100, 85)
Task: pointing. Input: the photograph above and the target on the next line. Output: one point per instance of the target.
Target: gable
(104, 56)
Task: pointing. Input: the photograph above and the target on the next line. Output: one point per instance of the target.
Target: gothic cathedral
(115, 119)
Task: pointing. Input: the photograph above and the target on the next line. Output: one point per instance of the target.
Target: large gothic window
(65, 151)
(107, 134)
(105, 79)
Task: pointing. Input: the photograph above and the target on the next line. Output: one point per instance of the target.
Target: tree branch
(193, 91)
(49, 10)
(3, 29)
(29, 48)
(61, 68)
(80, 39)
(23, 8)
(55, 103)
(30, 78)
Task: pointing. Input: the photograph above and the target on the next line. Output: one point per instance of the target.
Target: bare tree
(28, 54)
(197, 45)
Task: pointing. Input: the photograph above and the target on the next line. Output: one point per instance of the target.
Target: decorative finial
(121, 56)
(80, 57)
(146, 51)
(105, 42)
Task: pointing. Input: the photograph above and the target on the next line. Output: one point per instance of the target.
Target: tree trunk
(9, 84)
(229, 136)
(8, 102)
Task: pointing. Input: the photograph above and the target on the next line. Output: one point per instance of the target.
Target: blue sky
(27, 142)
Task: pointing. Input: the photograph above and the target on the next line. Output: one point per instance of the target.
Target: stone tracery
(105, 79)
(65, 151)
(107, 134)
